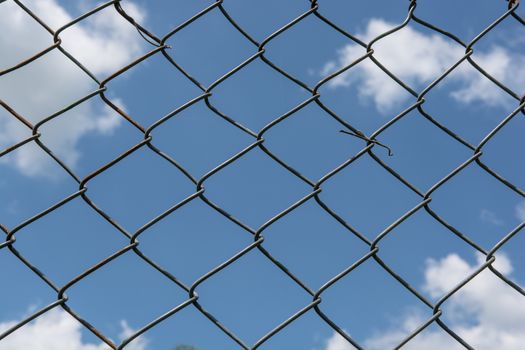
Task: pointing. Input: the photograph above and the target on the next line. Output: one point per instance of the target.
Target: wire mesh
(370, 143)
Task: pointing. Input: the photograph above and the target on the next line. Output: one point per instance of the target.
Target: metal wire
(260, 53)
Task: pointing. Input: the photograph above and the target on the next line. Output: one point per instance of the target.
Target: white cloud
(487, 313)
(103, 43)
(139, 343)
(417, 59)
(520, 211)
(337, 342)
(490, 217)
(57, 330)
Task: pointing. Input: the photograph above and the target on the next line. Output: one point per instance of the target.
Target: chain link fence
(370, 144)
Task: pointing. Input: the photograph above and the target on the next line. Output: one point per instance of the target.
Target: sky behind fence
(197, 181)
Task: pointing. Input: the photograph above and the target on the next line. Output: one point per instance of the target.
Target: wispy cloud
(103, 43)
(57, 330)
(520, 211)
(490, 217)
(486, 313)
(417, 59)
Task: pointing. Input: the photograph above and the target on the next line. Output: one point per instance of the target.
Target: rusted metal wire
(370, 142)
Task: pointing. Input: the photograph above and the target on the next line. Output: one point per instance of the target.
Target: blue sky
(252, 296)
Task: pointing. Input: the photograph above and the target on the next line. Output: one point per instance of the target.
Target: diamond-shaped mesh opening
(285, 49)
(366, 295)
(427, 62)
(28, 29)
(135, 92)
(74, 247)
(429, 241)
(483, 207)
(257, 95)
(186, 137)
(103, 297)
(468, 104)
(359, 188)
(88, 136)
(423, 153)
(210, 47)
(262, 186)
(130, 186)
(313, 245)
(34, 91)
(178, 239)
(23, 196)
(252, 305)
(469, 307)
(106, 28)
(311, 142)
(27, 293)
